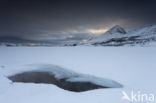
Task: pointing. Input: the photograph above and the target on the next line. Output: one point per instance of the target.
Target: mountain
(117, 36)
(114, 32)
(116, 29)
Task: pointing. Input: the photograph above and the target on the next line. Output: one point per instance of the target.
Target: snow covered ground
(133, 67)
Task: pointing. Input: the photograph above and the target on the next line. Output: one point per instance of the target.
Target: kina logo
(137, 96)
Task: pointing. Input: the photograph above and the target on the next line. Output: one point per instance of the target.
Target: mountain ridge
(115, 36)
(141, 36)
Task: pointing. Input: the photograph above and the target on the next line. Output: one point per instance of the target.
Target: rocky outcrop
(45, 77)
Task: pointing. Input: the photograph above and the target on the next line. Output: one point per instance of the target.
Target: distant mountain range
(116, 36)
(17, 41)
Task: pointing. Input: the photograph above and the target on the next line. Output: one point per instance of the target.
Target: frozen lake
(134, 67)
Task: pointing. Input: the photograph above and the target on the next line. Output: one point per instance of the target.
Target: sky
(72, 19)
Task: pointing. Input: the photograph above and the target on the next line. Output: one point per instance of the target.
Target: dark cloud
(61, 19)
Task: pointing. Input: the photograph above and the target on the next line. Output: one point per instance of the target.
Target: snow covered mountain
(117, 36)
(114, 32)
(116, 29)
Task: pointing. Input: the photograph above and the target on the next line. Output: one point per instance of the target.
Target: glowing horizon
(98, 31)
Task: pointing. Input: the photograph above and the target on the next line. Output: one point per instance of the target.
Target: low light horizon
(59, 20)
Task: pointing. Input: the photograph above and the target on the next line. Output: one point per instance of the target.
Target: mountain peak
(117, 29)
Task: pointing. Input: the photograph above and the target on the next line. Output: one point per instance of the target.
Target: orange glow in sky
(98, 31)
